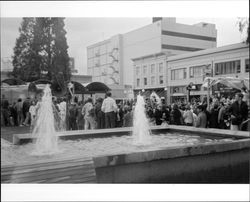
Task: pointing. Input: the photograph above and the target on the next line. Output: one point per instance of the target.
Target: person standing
(214, 114)
(188, 116)
(32, 111)
(99, 114)
(202, 118)
(88, 113)
(72, 116)
(109, 108)
(119, 115)
(221, 115)
(158, 115)
(80, 118)
(62, 112)
(239, 111)
(26, 114)
(175, 115)
(128, 117)
(19, 109)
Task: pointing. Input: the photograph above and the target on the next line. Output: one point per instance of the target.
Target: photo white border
(125, 8)
(125, 192)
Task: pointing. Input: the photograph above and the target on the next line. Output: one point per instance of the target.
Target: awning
(13, 81)
(232, 82)
(97, 87)
(78, 87)
(42, 81)
(178, 94)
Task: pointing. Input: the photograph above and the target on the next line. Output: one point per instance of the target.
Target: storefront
(161, 92)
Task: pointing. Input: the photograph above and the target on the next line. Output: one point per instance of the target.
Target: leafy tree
(22, 50)
(60, 59)
(41, 50)
(243, 24)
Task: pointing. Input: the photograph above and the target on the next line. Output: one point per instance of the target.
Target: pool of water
(100, 146)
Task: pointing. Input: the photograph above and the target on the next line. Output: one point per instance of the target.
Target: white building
(110, 61)
(231, 60)
(181, 70)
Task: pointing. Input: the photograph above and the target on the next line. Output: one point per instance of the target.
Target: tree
(243, 24)
(60, 59)
(41, 50)
(54, 47)
(23, 53)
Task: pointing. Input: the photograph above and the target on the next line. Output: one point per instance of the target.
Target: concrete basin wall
(85, 134)
(222, 162)
(212, 163)
(227, 167)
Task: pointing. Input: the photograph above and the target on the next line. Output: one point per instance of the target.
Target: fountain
(172, 154)
(155, 98)
(44, 131)
(141, 129)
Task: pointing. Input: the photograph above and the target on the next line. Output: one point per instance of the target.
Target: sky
(82, 32)
(90, 22)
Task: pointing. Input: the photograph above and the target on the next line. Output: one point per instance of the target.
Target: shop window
(161, 79)
(179, 74)
(144, 69)
(160, 68)
(137, 82)
(152, 80)
(152, 68)
(196, 71)
(230, 67)
(137, 70)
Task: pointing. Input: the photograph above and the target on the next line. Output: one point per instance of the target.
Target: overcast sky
(82, 32)
(90, 22)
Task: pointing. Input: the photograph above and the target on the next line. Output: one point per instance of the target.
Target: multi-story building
(181, 70)
(110, 61)
(226, 61)
(72, 65)
(150, 74)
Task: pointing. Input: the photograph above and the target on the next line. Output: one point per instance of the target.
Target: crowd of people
(222, 113)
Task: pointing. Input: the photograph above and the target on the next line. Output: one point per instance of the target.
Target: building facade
(110, 61)
(227, 61)
(150, 74)
(182, 70)
(72, 65)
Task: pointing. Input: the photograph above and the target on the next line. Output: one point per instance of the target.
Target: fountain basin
(215, 162)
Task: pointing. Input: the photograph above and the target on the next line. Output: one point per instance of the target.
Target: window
(238, 66)
(196, 71)
(247, 65)
(144, 69)
(152, 80)
(160, 68)
(145, 81)
(178, 89)
(230, 67)
(178, 74)
(137, 70)
(161, 79)
(152, 68)
(137, 82)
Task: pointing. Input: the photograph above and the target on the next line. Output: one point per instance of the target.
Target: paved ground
(7, 132)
